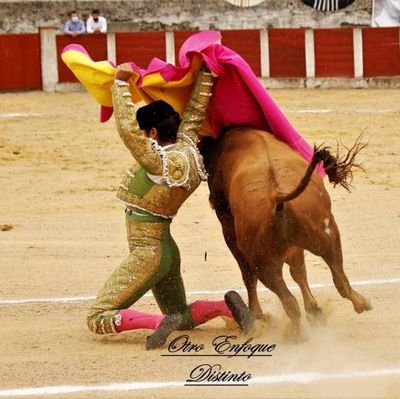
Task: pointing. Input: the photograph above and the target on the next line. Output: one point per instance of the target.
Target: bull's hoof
(360, 303)
(316, 318)
(368, 306)
(240, 312)
(265, 317)
(363, 306)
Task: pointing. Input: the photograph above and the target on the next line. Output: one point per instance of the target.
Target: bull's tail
(338, 168)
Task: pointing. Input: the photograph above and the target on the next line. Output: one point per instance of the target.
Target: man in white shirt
(96, 23)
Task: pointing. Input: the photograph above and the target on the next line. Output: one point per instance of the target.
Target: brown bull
(272, 207)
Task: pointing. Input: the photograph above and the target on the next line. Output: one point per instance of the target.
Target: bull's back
(250, 168)
(256, 166)
(257, 155)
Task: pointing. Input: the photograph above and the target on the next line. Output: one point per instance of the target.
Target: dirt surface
(62, 233)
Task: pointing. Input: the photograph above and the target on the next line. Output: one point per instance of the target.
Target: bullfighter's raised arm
(196, 109)
(143, 149)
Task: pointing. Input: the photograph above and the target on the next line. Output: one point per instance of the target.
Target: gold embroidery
(177, 169)
(141, 147)
(196, 109)
(142, 263)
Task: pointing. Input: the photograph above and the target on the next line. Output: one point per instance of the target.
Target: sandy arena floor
(62, 233)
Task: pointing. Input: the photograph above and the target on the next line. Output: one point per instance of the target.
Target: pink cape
(238, 98)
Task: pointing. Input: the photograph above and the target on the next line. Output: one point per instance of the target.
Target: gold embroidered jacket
(162, 177)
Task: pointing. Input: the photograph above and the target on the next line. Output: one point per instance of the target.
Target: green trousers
(153, 264)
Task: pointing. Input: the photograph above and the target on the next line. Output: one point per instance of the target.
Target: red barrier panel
(180, 37)
(334, 55)
(381, 53)
(287, 58)
(247, 44)
(140, 47)
(20, 62)
(20, 58)
(95, 45)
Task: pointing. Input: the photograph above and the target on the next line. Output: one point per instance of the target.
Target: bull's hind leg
(334, 258)
(271, 276)
(297, 267)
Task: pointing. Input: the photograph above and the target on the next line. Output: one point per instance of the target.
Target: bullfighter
(168, 169)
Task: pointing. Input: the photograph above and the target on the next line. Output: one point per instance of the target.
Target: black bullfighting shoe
(167, 326)
(240, 312)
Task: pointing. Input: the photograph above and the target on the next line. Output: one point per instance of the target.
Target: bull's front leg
(249, 277)
(250, 281)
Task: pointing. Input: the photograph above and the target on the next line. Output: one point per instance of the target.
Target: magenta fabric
(239, 99)
(133, 320)
(203, 311)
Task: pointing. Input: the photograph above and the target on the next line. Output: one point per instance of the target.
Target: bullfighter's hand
(123, 72)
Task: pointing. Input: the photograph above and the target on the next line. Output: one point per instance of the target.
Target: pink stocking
(202, 311)
(133, 320)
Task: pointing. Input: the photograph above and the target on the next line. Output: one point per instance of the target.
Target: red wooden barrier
(287, 56)
(247, 44)
(20, 62)
(381, 52)
(95, 45)
(140, 47)
(20, 66)
(334, 55)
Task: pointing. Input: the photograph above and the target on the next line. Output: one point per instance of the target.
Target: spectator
(96, 23)
(74, 26)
